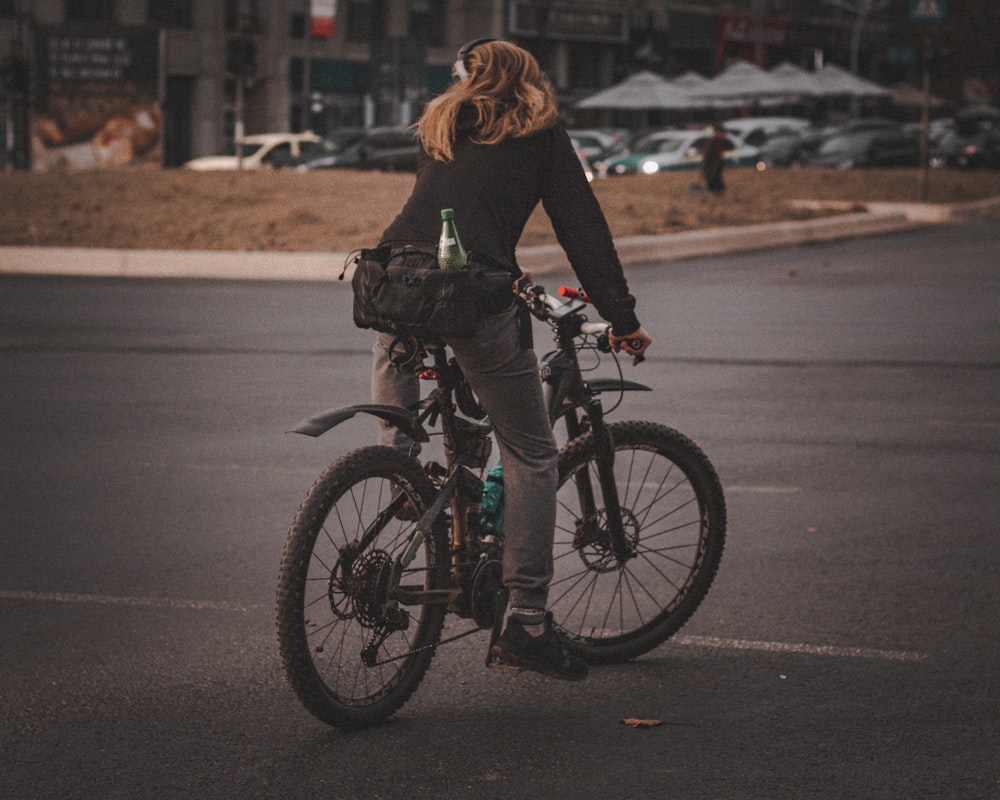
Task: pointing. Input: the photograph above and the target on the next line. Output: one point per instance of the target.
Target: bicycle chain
(426, 647)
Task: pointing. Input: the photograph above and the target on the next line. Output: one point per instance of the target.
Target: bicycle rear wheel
(351, 661)
(674, 517)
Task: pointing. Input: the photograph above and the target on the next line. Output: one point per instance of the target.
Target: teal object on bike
(492, 517)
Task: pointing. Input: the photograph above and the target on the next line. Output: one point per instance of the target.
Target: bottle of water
(493, 507)
(450, 254)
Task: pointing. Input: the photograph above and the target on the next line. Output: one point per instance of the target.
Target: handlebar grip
(634, 345)
(573, 294)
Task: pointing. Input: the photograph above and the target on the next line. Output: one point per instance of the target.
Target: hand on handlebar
(635, 344)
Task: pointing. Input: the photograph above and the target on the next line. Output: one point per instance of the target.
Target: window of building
(365, 20)
(171, 13)
(249, 16)
(88, 10)
(427, 21)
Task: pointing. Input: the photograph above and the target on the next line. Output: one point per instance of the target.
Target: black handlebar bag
(402, 290)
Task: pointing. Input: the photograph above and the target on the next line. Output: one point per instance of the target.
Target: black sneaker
(518, 649)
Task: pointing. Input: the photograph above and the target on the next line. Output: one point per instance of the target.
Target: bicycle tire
(331, 595)
(674, 515)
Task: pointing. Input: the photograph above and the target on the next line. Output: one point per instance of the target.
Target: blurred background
(106, 83)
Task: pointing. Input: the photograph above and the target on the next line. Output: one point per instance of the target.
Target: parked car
(754, 131)
(791, 149)
(595, 144)
(260, 151)
(379, 148)
(868, 148)
(676, 149)
(333, 142)
(979, 150)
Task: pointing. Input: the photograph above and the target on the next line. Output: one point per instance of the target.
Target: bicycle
(383, 547)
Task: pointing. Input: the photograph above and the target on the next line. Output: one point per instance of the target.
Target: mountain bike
(383, 546)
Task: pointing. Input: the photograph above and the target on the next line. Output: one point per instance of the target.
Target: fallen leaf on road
(641, 723)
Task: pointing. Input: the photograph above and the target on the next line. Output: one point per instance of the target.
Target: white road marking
(762, 489)
(689, 641)
(117, 600)
(799, 649)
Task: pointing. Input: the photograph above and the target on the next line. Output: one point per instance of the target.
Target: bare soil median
(339, 210)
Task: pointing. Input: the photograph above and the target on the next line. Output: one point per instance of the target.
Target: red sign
(324, 13)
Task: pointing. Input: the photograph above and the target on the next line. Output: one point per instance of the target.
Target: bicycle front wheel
(674, 519)
(351, 657)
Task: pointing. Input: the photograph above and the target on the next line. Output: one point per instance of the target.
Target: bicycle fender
(396, 416)
(598, 385)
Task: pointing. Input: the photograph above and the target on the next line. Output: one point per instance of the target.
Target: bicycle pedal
(494, 661)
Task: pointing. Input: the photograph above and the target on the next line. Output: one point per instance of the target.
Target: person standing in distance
(714, 161)
(492, 149)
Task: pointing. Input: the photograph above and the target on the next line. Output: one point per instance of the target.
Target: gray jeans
(505, 380)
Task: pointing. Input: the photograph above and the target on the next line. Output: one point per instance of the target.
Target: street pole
(307, 81)
(758, 33)
(240, 70)
(925, 114)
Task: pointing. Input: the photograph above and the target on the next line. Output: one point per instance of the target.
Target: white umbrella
(689, 80)
(834, 80)
(741, 81)
(795, 81)
(640, 92)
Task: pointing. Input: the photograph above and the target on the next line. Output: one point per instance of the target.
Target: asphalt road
(846, 392)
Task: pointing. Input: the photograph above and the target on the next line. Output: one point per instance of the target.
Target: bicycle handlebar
(550, 309)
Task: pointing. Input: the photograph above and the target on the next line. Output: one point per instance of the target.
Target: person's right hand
(635, 344)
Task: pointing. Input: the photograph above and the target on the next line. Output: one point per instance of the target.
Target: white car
(594, 143)
(260, 151)
(676, 149)
(756, 130)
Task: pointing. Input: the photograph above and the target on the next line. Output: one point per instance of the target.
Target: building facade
(202, 71)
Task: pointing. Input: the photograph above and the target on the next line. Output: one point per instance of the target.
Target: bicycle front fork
(604, 451)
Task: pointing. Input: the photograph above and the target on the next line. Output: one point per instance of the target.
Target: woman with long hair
(492, 149)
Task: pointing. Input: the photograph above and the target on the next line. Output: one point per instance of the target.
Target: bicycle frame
(568, 396)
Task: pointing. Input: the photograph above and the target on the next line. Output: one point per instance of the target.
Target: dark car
(979, 150)
(386, 149)
(792, 149)
(871, 148)
(335, 142)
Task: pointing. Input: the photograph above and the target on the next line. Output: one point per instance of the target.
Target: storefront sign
(98, 95)
(570, 21)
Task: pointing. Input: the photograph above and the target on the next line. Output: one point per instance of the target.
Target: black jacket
(495, 188)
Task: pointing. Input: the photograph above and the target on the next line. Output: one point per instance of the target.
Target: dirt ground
(339, 210)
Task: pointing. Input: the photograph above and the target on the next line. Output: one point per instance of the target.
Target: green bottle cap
(447, 213)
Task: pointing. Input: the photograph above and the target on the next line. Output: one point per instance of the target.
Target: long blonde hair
(507, 89)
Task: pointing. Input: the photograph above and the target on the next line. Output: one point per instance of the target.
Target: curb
(634, 250)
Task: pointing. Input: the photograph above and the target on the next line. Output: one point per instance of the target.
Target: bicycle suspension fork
(604, 450)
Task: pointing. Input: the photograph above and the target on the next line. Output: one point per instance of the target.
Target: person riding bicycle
(491, 149)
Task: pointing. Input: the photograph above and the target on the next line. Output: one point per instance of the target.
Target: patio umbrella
(795, 81)
(907, 96)
(689, 80)
(640, 92)
(834, 80)
(740, 82)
